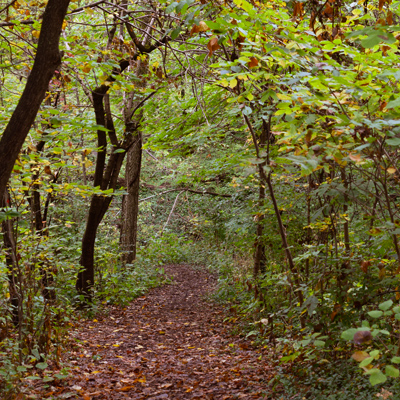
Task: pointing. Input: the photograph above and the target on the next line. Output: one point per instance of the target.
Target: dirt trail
(170, 344)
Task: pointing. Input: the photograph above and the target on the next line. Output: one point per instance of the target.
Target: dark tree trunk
(47, 59)
(106, 176)
(97, 210)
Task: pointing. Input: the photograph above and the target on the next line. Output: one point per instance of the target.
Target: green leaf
(181, 4)
(394, 141)
(366, 362)
(41, 365)
(171, 7)
(175, 33)
(48, 379)
(349, 334)
(319, 343)
(395, 360)
(61, 376)
(371, 41)
(375, 314)
(376, 376)
(305, 342)
(393, 103)
(392, 371)
(374, 354)
(386, 305)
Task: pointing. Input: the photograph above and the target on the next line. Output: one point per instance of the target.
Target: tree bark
(47, 59)
(130, 209)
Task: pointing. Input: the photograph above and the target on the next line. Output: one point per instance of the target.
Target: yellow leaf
(89, 11)
(233, 83)
(224, 83)
(282, 96)
(360, 355)
(203, 26)
(64, 25)
(36, 34)
(86, 68)
(391, 170)
(250, 96)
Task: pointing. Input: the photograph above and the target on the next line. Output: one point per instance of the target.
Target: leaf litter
(172, 344)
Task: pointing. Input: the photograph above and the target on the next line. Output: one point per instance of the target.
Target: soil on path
(170, 344)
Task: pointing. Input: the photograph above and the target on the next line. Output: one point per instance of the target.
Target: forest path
(170, 344)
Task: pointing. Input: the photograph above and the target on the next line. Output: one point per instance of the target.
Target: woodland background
(258, 139)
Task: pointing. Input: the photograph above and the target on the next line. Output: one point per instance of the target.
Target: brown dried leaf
(213, 45)
(364, 266)
(253, 62)
(361, 337)
(202, 27)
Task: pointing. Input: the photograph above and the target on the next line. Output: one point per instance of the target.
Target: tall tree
(48, 58)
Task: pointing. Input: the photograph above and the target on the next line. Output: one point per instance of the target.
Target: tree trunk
(47, 59)
(97, 210)
(130, 209)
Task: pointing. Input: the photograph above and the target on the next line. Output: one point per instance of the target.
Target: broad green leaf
(41, 365)
(394, 141)
(175, 33)
(171, 7)
(375, 354)
(393, 103)
(376, 376)
(395, 360)
(375, 314)
(366, 362)
(386, 305)
(349, 334)
(391, 371)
